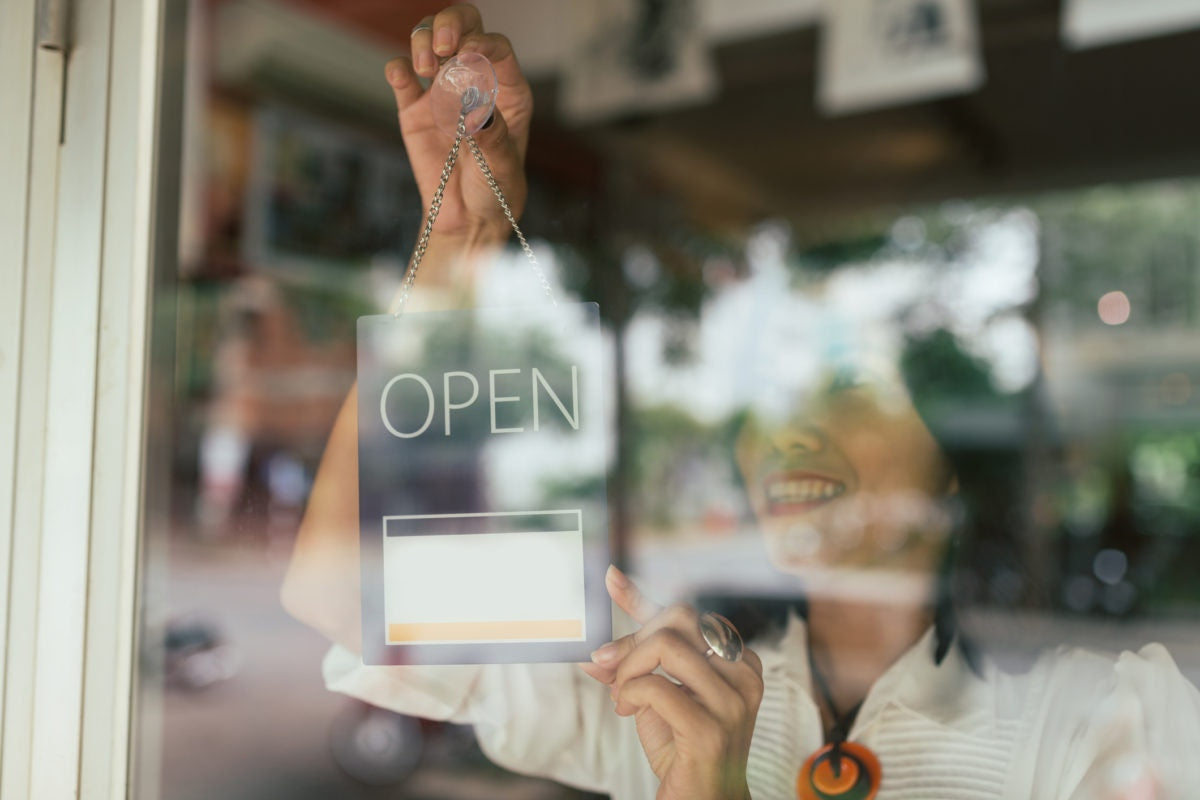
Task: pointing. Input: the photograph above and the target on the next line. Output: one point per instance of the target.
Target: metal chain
(435, 205)
(494, 185)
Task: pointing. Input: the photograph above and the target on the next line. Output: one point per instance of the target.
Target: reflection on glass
(853, 479)
(982, 412)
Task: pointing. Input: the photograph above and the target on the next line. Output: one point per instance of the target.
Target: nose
(798, 439)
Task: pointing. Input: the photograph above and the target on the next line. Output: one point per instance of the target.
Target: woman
(851, 491)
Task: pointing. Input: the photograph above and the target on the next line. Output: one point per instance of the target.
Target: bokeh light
(1110, 566)
(1113, 308)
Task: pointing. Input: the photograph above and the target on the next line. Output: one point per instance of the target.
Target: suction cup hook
(465, 82)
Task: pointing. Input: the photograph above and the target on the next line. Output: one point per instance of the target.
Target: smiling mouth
(793, 492)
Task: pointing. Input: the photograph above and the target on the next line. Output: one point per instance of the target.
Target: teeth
(803, 491)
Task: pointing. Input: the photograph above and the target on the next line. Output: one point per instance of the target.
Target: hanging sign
(482, 452)
(1094, 23)
(884, 52)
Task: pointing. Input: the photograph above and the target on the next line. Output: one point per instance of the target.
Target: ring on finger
(424, 25)
(721, 637)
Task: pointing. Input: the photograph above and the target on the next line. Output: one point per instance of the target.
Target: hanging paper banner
(635, 56)
(482, 455)
(724, 21)
(1094, 23)
(877, 53)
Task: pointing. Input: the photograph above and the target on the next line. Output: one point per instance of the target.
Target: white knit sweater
(1074, 725)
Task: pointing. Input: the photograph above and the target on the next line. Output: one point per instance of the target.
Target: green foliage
(1143, 240)
(828, 256)
(324, 314)
(937, 368)
(667, 441)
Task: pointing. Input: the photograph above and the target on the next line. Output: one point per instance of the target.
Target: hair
(950, 387)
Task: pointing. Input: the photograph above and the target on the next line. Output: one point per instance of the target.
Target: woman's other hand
(469, 211)
(696, 728)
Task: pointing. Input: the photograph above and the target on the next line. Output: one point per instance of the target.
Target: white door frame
(87, 226)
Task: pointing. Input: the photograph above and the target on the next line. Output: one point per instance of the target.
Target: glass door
(897, 304)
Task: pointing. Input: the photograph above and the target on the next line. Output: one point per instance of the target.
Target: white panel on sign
(510, 586)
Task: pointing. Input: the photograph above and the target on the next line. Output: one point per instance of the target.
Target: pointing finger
(629, 597)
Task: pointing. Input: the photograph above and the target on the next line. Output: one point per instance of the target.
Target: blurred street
(265, 732)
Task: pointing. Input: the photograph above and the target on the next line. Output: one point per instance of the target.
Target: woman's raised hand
(469, 210)
(695, 729)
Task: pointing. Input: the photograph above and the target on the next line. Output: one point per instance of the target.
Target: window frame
(89, 216)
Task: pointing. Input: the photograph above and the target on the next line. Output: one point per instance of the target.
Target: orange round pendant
(855, 777)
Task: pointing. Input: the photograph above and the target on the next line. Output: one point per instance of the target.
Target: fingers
(672, 640)
(453, 23)
(670, 700)
(439, 36)
(496, 47)
(421, 48)
(709, 704)
(460, 29)
(709, 751)
(404, 83)
(610, 656)
(629, 597)
(498, 50)
(751, 659)
(730, 690)
(601, 674)
(680, 659)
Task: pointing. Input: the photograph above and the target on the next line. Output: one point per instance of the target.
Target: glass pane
(899, 309)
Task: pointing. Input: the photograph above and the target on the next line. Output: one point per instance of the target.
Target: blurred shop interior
(689, 159)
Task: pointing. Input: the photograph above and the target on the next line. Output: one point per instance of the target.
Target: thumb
(493, 137)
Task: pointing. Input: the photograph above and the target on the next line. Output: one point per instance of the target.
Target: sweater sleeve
(548, 720)
(1141, 735)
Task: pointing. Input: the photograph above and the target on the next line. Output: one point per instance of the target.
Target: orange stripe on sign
(483, 631)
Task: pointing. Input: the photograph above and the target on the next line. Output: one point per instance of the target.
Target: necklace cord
(841, 722)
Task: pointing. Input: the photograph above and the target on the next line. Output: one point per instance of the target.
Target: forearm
(321, 587)
(322, 584)
(449, 270)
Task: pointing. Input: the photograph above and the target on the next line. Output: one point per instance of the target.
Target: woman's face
(851, 480)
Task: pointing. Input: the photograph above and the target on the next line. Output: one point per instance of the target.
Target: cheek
(797, 544)
(896, 456)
